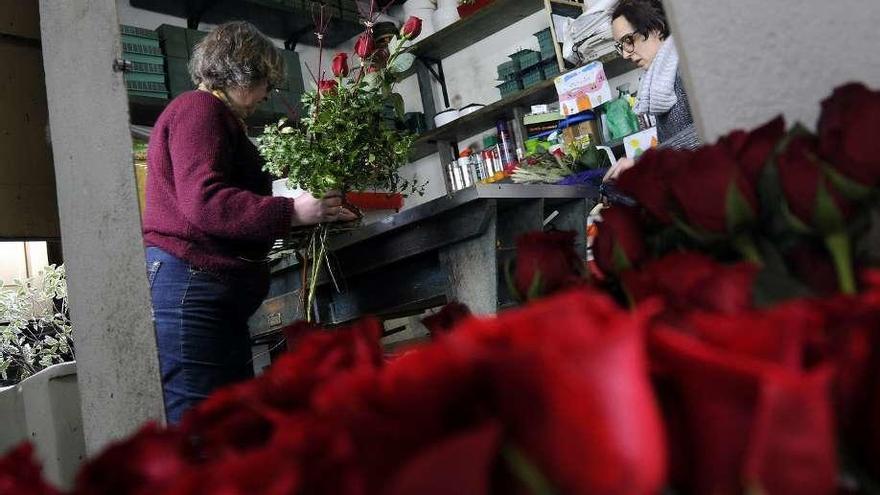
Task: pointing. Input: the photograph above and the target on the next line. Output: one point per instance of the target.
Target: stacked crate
(147, 75)
(549, 65)
(508, 74)
(530, 67)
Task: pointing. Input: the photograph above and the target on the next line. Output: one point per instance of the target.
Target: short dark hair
(645, 16)
(236, 54)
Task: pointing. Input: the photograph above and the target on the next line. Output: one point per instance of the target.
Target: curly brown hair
(236, 55)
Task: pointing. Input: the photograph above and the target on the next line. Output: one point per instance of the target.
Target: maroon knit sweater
(208, 201)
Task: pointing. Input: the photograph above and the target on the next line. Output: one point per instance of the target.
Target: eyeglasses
(627, 43)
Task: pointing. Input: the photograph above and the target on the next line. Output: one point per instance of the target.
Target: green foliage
(35, 330)
(346, 140)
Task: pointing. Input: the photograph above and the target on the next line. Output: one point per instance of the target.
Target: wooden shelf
(480, 25)
(485, 118)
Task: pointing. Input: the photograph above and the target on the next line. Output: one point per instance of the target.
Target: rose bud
(340, 65)
(620, 243)
(847, 138)
(753, 150)
(545, 263)
(411, 28)
(365, 45)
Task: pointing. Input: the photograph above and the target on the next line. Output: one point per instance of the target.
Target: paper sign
(640, 142)
(582, 89)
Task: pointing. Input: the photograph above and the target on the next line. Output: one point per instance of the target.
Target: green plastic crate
(526, 58)
(551, 68)
(179, 80)
(546, 44)
(133, 46)
(532, 76)
(510, 87)
(148, 68)
(147, 89)
(173, 40)
(138, 32)
(507, 71)
(145, 78)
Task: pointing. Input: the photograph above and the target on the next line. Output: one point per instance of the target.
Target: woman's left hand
(618, 168)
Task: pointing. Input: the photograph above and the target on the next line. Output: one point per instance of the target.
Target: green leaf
(848, 187)
(738, 211)
(827, 217)
(620, 260)
(524, 470)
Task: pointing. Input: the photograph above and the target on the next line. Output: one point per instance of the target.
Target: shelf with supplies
(485, 118)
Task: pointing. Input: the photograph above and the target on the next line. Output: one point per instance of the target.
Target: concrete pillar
(100, 227)
(749, 60)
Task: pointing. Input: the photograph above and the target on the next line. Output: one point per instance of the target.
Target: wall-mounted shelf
(485, 118)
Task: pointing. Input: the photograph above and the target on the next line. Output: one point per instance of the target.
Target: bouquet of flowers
(347, 139)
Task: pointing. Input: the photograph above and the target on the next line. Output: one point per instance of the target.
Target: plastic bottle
(505, 142)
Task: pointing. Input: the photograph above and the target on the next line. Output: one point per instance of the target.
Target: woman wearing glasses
(641, 34)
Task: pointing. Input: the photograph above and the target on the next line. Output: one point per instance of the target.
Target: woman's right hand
(309, 210)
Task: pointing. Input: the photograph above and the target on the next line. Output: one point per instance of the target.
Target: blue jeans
(201, 328)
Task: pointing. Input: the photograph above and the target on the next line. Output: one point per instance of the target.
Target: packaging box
(640, 142)
(582, 89)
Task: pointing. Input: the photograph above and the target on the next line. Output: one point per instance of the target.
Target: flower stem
(747, 248)
(839, 246)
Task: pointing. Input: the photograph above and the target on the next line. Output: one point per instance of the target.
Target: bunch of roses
(552, 397)
(775, 198)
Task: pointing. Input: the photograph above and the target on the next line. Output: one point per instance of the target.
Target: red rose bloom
(447, 318)
(411, 28)
(340, 65)
(810, 196)
(365, 45)
(327, 86)
(620, 243)
(545, 263)
(713, 193)
(20, 474)
(753, 150)
(848, 130)
(649, 182)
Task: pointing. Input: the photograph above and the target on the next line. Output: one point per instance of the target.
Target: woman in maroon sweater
(210, 218)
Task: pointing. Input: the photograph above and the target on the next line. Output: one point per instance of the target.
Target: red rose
(340, 65)
(411, 28)
(447, 318)
(691, 281)
(649, 182)
(20, 474)
(620, 243)
(327, 86)
(810, 196)
(545, 263)
(150, 461)
(754, 417)
(753, 150)
(365, 45)
(713, 193)
(847, 132)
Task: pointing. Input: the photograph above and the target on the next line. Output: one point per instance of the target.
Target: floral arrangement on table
(578, 158)
(675, 372)
(346, 139)
(35, 329)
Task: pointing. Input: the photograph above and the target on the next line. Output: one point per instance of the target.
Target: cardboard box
(582, 89)
(640, 142)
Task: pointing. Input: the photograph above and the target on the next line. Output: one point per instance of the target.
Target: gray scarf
(657, 89)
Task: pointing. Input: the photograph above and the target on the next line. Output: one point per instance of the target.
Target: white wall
(749, 60)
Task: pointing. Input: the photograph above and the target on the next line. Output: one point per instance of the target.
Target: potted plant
(39, 397)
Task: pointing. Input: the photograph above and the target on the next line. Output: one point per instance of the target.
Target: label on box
(584, 88)
(640, 142)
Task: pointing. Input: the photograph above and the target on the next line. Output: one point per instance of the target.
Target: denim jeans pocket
(152, 270)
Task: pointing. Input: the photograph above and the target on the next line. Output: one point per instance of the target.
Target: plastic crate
(532, 76)
(508, 70)
(510, 87)
(551, 68)
(173, 41)
(138, 32)
(147, 88)
(148, 68)
(135, 46)
(526, 58)
(179, 80)
(546, 43)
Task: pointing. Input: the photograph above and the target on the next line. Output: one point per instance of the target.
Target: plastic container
(138, 32)
(533, 76)
(147, 89)
(526, 58)
(507, 71)
(510, 87)
(506, 145)
(546, 44)
(551, 68)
